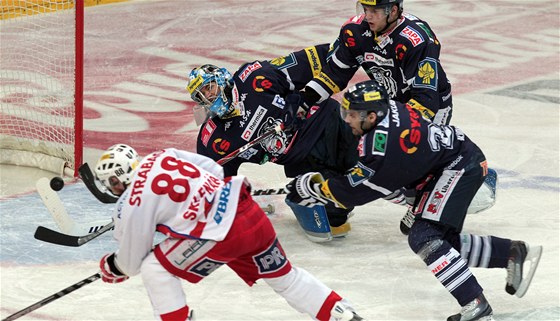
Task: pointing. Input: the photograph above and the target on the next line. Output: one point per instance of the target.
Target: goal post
(41, 84)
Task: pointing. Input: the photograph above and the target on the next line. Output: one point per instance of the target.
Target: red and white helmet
(119, 160)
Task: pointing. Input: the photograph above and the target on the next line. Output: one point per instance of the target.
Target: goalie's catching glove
(305, 190)
(109, 271)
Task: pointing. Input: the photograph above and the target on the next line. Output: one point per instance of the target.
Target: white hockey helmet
(119, 160)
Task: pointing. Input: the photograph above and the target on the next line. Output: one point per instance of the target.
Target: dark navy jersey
(405, 60)
(401, 151)
(258, 96)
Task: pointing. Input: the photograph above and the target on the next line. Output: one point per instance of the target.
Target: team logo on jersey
(427, 76)
(278, 143)
(359, 174)
(410, 138)
(254, 123)
(260, 83)
(384, 77)
(285, 61)
(379, 142)
(414, 36)
(244, 74)
(220, 146)
(205, 267)
(378, 60)
(271, 260)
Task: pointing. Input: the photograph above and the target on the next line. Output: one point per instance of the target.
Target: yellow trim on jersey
(314, 61)
(326, 193)
(327, 81)
(426, 113)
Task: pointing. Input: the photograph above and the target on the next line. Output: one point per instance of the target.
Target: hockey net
(41, 55)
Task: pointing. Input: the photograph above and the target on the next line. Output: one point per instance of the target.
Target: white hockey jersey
(178, 193)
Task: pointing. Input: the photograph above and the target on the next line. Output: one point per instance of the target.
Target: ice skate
(520, 254)
(407, 221)
(340, 312)
(478, 309)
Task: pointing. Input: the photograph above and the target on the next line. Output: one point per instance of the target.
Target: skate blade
(533, 257)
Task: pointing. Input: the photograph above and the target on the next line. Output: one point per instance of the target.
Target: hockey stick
(269, 191)
(47, 235)
(101, 193)
(278, 128)
(54, 205)
(53, 297)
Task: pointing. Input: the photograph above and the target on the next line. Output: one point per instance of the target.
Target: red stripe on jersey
(198, 229)
(324, 313)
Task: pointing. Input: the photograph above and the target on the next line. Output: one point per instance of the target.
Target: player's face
(354, 119)
(210, 91)
(376, 18)
(116, 186)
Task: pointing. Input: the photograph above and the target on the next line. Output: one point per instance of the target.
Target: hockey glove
(305, 190)
(109, 271)
(295, 115)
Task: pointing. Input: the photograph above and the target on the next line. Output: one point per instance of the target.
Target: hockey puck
(57, 183)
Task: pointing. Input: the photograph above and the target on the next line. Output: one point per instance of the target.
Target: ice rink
(502, 58)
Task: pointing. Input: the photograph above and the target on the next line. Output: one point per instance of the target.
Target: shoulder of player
(256, 69)
(414, 32)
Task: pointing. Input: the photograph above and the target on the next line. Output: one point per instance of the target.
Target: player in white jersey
(209, 221)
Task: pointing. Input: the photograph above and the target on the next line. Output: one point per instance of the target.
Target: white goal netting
(40, 120)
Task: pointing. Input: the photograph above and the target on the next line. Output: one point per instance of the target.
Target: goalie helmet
(367, 96)
(207, 86)
(119, 160)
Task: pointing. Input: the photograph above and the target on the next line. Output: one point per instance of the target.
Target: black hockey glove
(305, 190)
(295, 116)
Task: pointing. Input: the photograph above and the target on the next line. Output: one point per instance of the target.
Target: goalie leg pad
(313, 221)
(485, 197)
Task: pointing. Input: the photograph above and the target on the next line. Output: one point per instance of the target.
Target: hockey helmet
(215, 99)
(119, 160)
(379, 4)
(367, 96)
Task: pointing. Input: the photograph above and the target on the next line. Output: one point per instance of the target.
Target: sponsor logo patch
(244, 74)
(271, 259)
(207, 131)
(414, 36)
(254, 123)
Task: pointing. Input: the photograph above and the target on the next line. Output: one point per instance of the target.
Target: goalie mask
(210, 87)
(120, 161)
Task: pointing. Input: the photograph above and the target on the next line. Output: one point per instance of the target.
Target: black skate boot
(407, 221)
(478, 309)
(521, 254)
